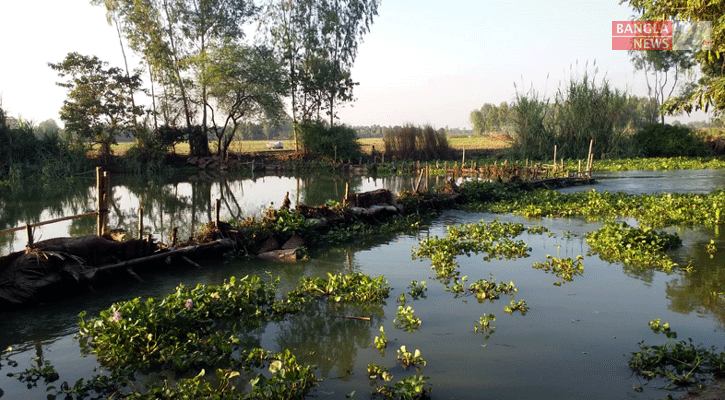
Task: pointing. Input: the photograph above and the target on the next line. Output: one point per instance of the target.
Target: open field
(252, 146)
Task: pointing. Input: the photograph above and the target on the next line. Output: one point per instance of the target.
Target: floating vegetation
(488, 289)
(517, 306)
(406, 319)
(564, 268)
(408, 359)
(656, 210)
(484, 325)
(378, 372)
(681, 363)
(493, 239)
(640, 248)
(381, 342)
(196, 328)
(417, 290)
(710, 248)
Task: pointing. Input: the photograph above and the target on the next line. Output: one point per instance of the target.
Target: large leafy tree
(100, 99)
(245, 84)
(710, 88)
(663, 71)
(174, 37)
(318, 41)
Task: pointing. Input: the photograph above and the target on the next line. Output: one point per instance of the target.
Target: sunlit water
(574, 343)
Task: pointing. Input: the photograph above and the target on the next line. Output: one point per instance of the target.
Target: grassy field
(253, 146)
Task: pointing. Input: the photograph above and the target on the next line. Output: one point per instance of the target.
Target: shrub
(339, 140)
(411, 142)
(663, 140)
(582, 111)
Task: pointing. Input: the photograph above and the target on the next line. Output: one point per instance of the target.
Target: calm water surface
(574, 343)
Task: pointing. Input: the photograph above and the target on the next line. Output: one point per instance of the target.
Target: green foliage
(710, 88)
(564, 268)
(656, 210)
(100, 102)
(378, 372)
(417, 289)
(345, 288)
(484, 325)
(681, 363)
(381, 342)
(663, 140)
(637, 247)
(323, 141)
(408, 359)
(406, 319)
(494, 239)
(410, 388)
(581, 112)
(411, 142)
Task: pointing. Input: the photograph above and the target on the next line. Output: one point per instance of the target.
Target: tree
(48, 128)
(710, 88)
(663, 66)
(318, 39)
(246, 83)
(174, 37)
(99, 104)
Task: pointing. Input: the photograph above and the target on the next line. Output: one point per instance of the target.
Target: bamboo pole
(106, 200)
(183, 250)
(555, 158)
(29, 231)
(99, 201)
(589, 155)
(217, 208)
(463, 160)
(52, 221)
(140, 222)
(347, 194)
(420, 178)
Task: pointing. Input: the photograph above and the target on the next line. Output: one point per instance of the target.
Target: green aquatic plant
(381, 342)
(681, 363)
(417, 290)
(711, 249)
(411, 388)
(484, 325)
(637, 247)
(489, 290)
(655, 210)
(406, 319)
(378, 372)
(356, 287)
(492, 239)
(517, 306)
(564, 268)
(408, 359)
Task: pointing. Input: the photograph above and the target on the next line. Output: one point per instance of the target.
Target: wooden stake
(554, 158)
(99, 201)
(589, 155)
(174, 234)
(106, 200)
(347, 194)
(140, 222)
(29, 231)
(217, 207)
(463, 160)
(420, 178)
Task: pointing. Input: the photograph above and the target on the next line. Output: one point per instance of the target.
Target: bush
(411, 142)
(664, 140)
(582, 111)
(318, 139)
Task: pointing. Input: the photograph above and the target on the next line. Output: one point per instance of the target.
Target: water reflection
(183, 202)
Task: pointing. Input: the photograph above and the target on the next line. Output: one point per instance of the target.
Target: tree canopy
(709, 92)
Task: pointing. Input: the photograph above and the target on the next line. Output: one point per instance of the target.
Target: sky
(423, 61)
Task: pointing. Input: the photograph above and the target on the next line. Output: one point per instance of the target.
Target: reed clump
(414, 142)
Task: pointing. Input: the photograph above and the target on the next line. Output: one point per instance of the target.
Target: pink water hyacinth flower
(116, 316)
(189, 303)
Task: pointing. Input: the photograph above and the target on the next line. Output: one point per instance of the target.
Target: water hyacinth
(189, 303)
(116, 316)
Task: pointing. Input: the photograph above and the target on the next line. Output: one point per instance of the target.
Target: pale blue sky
(424, 61)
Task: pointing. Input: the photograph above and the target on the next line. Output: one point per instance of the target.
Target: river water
(574, 343)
